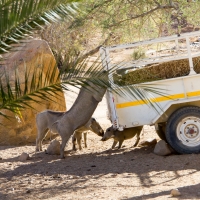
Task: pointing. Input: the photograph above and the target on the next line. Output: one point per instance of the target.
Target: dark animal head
(108, 134)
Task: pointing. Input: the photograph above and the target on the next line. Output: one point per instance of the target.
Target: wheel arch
(160, 124)
(174, 107)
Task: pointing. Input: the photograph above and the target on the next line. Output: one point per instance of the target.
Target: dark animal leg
(138, 139)
(120, 144)
(41, 135)
(114, 144)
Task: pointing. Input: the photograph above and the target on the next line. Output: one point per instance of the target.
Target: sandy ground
(97, 172)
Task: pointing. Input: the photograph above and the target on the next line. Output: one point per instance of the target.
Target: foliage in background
(144, 19)
(103, 22)
(138, 54)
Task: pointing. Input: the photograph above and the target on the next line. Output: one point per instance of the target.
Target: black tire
(161, 131)
(183, 130)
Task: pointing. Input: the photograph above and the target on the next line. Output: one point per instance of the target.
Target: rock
(56, 176)
(17, 131)
(162, 148)
(23, 157)
(28, 191)
(149, 142)
(175, 192)
(54, 148)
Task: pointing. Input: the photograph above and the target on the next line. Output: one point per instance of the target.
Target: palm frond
(35, 87)
(18, 18)
(98, 76)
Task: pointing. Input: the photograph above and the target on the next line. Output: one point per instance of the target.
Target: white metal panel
(184, 90)
(192, 83)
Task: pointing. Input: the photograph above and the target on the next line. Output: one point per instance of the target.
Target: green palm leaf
(18, 18)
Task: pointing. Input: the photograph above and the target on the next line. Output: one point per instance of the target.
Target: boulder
(175, 192)
(24, 156)
(162, 148)
(53, 148)
(21, 131)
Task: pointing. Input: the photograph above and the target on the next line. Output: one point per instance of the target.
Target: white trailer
(178, 119)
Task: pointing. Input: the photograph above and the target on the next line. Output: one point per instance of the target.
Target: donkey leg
(40, 137)
(62, 147)
(85, 138)
(79, 138)
(74, 141)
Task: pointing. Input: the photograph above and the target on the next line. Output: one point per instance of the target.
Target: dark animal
(120, 136)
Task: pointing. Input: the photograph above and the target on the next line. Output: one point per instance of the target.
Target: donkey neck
(83, 108)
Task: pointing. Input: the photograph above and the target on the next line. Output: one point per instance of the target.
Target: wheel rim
(188, 131)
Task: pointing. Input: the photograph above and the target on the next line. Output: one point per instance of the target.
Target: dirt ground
(97, 172)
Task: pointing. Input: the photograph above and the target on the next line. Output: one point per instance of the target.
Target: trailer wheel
(161, 131)
(183, 130)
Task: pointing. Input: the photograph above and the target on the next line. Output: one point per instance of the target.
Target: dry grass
(158, 71)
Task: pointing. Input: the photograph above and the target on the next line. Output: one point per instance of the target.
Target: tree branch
(159, 7)
(93, 51)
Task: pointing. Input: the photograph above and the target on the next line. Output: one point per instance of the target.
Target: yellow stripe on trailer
(157, 99)
(193, 94)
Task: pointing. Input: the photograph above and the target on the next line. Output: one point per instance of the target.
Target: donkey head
(96, 128)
